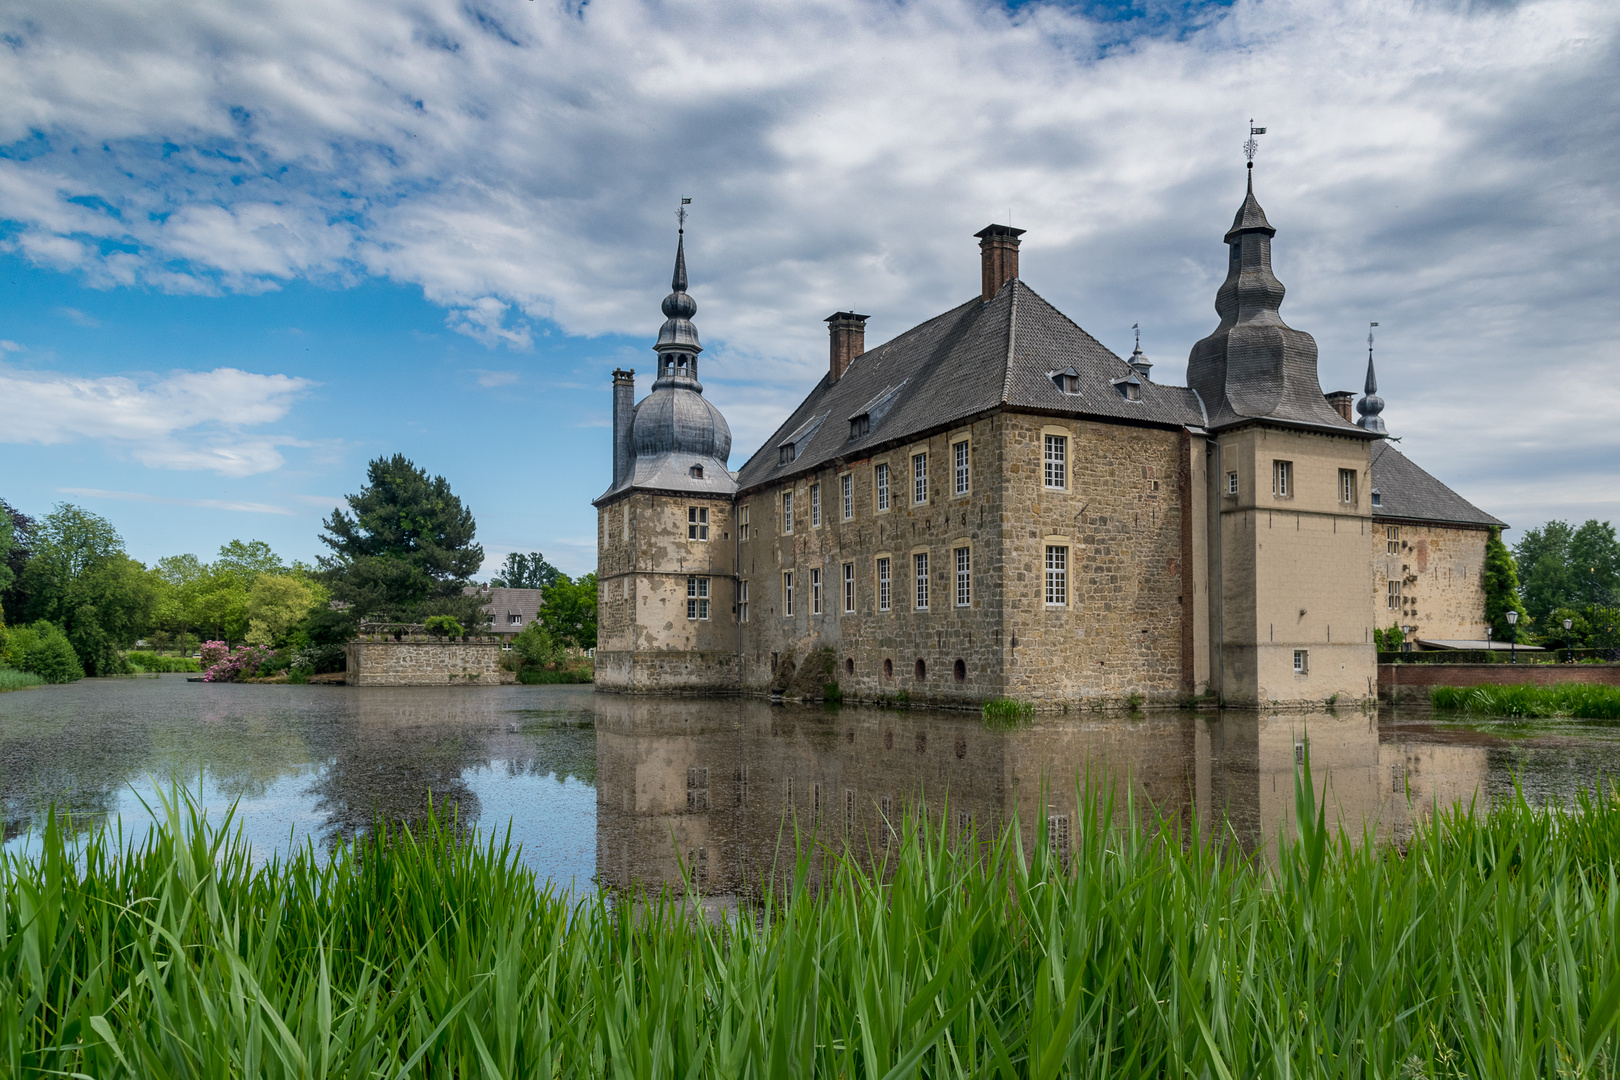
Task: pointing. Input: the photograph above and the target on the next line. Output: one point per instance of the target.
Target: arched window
(849, 665)
(888, 669)
(961, 670)
(922, 669)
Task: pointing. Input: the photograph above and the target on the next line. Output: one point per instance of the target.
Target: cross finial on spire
(1251, 146)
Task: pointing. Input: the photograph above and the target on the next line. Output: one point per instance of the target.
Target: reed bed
(12, 679)
(1581, 701)
(1484, 949)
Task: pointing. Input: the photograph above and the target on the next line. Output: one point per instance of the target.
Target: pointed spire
(678, 344)
(677, 283)
(1138, 361)
(1371, 405)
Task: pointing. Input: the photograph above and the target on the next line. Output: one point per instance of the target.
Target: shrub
(43, 649)
(1583, 701)
(1006, 712)
(12, 679)
(321, 659)
(154, 663)
(213, 652)
(443, 626)
(242, 664)
(298, 676)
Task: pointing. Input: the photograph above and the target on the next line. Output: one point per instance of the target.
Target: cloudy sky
(244, 248)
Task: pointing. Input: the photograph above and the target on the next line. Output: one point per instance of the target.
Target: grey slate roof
(974, 358)
(500, 604)
(1408, 493)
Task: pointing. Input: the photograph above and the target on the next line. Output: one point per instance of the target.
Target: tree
(276, 604)
(407, 550)
(43, 649)
(568, 611)
(13, 596)
(249, 559)
(521, 571)
(1594, 555)
(66, 544)
(1568, 567)
(80, 579)
(1501, 585)
(8, 534)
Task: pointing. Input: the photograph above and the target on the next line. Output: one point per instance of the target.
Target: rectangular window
(742, 601)
(1231, 483)
(849, 587)
(919, 478)
(787, 592)
(1057, 462)
(1392, 598)
(787, 511)
(742, 522)
(1347, 486)
(964, 577)
(1302, 662)
(1057, 576)
(697, 598)
(880, 484)
(1282, 479)
(1057, 834)
(1392, 539)
(815, 591)
(920, 565)
(959, 460)
(815, 506)
(697, 523)
(697, 788)
(883, 584)
(514, 620)
(847, 490)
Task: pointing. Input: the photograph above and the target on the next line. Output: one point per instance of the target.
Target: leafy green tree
(13, 596)
(568, 611)
(276, 604)
(443, 626)
(407, 549)
(521, 571)
(536, 647)
(1565, 566)
(248, 559)
(8, 538)
(1594, 555)
(1501, 585)
(80, 579)
(66, 544)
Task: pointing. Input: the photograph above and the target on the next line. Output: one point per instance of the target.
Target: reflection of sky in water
(625, 787)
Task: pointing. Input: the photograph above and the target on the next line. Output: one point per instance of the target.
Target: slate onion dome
(1371, 405)
(675, 418)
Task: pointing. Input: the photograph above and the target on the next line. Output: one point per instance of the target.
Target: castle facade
(994, 504)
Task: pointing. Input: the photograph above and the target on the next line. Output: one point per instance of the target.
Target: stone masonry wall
(425, 662)
(1441, 571)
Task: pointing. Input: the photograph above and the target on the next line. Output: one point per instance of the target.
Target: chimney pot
(1341, 401)
(998, 257)
(846, 333)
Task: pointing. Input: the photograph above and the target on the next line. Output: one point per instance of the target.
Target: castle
(994, 504)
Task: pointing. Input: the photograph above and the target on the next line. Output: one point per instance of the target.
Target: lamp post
(1569, 645)
(1513, 635)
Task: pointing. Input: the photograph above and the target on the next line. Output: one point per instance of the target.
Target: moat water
(627, 790)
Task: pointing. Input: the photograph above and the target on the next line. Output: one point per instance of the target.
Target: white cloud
(74, 315)
(10, 346)
(1443, 168)
(188, 420)
(496, 378)
(206, 504)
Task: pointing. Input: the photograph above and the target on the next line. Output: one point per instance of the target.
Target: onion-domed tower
(665, 555)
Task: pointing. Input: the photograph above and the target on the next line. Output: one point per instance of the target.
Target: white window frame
(849, 588)
(1055, 461)
(919, 478)
(1392, 594)
(787, 512)
(963, 557)
(697, 523)
(815, 506)
(697, 598)
(815, 590)
(885, 568)
(742, 601)
(1282, 479)
(880, 484)
(1392, 539)
(846, 485)
(742, 522)
(1057, 575)
(961, 460)
(919, 566)
(1232, 483)
(1302, 662)
(787, 594)
(1347, 486)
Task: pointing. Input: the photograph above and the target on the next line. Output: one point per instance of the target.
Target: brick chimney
(847, 340)
(1341, 401)
(624, 402)
(998, 257)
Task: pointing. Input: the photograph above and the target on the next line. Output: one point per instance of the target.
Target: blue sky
(245, 250)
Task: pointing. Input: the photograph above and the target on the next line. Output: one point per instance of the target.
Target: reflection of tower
(665, 555)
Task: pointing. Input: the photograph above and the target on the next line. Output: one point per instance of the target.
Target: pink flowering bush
(241, 664)
(213, 652)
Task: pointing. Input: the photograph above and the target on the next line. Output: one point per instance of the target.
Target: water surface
(631, 789)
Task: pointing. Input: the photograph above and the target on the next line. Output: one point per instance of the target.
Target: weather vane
(1369, 340)
(1251, 146)
(1138, 328)
(680, 215)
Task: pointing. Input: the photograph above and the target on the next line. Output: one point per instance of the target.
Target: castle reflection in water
(719, 784)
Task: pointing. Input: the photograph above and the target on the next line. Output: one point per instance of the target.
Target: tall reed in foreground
(1486, 949)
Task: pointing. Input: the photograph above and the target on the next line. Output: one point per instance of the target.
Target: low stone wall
(1403, 682)
(418, 660)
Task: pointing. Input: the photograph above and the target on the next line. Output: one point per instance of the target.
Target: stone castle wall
(422, 661)
(1441, 571)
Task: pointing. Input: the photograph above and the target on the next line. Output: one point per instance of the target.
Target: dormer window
(696, 472)
(1067, 381)
(1129, 388)
(784, 454)
(1377, 497)
(860, 425)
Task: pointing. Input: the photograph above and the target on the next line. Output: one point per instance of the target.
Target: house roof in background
(1407, 492)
